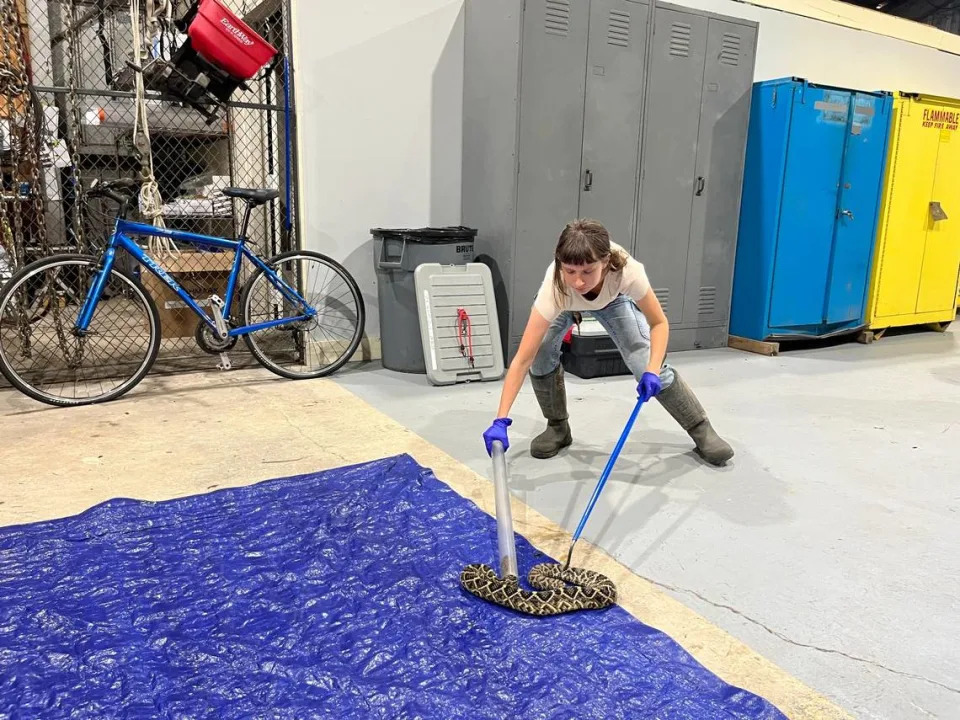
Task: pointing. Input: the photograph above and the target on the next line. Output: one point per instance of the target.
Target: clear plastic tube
(505, 544)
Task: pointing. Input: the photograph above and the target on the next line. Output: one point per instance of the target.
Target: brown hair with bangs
(583, 242)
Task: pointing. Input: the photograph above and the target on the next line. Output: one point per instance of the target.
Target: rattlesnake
(558, 591)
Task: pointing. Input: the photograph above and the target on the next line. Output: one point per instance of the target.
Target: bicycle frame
(121, 240)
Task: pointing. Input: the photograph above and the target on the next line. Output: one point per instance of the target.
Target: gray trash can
(396, 255)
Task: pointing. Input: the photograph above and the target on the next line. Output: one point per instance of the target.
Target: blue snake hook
(603, 477)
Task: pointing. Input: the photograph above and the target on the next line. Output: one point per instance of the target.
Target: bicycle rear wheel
(309, 348)
(45, 359)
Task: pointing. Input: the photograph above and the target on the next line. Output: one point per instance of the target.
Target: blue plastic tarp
(327, 595)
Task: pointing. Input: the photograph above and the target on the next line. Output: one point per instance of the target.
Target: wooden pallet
(760, 347)
(868, 336)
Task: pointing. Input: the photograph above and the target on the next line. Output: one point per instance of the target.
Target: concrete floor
(830, 544)
(187, 434)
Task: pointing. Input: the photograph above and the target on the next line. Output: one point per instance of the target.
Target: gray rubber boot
(683, 406)
(552, 397)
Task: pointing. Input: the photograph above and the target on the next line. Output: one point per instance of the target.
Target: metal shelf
(165, 118)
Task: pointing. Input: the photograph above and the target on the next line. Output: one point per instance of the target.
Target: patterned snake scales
(558, 591)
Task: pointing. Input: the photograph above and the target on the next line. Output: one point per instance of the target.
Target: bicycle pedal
(224, 363)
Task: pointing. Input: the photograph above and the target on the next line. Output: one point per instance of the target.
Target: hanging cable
(104, 43)
(159, 19)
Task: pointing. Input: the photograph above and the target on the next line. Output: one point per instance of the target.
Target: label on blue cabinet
(833, 108)
(864, 111)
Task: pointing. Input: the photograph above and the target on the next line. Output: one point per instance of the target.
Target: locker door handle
(587, 180)
(701, 183)
(846, 213)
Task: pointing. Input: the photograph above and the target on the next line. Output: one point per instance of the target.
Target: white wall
(791, 45)
(379, 95)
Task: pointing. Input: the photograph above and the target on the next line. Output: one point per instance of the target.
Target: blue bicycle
(300, 313)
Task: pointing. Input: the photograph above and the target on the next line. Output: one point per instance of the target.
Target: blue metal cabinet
(808, 214)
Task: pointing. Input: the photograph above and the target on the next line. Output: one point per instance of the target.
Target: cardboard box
(201, 274)
(17, 105)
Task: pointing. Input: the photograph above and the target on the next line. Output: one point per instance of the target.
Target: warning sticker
(941, 119)
(833, 108)
(863, 111)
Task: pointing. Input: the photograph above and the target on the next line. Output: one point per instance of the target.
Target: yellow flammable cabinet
(916, 265)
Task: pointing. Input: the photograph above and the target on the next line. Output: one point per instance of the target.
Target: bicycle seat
(252, 196)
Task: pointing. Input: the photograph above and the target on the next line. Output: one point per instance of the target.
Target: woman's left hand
(649, 386)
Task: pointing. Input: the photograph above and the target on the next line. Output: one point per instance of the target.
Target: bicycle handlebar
(110, 188)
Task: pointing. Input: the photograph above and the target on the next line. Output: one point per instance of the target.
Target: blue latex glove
(497, 431)
(649, 386)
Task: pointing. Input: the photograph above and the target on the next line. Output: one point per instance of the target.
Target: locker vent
(680, 39)
(730, 50)
(663, 295)
(708, 300)
(557, 19)
(618, 31)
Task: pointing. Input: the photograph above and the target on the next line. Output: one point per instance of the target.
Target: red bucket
(224, 40)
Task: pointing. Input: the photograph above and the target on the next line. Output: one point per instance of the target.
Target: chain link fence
(70, 116)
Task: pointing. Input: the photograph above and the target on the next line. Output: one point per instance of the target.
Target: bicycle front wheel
(30, 307)
(312, 347)
(45, 358)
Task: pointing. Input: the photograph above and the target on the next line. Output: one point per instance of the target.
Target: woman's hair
(583, 242)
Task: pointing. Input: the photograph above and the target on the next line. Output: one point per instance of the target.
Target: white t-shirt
(631, 281)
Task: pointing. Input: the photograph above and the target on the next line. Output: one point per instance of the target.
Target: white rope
(151, 203)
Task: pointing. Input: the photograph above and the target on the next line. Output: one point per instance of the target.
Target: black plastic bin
(396, 255)
(593, 355)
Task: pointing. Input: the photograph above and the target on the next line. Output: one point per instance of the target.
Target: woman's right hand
(497, 431)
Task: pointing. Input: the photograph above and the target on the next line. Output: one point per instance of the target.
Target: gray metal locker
(695, 131)
(671, 123)
(611, 115)
(579, 128)
(554, 96)
(554, 50)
